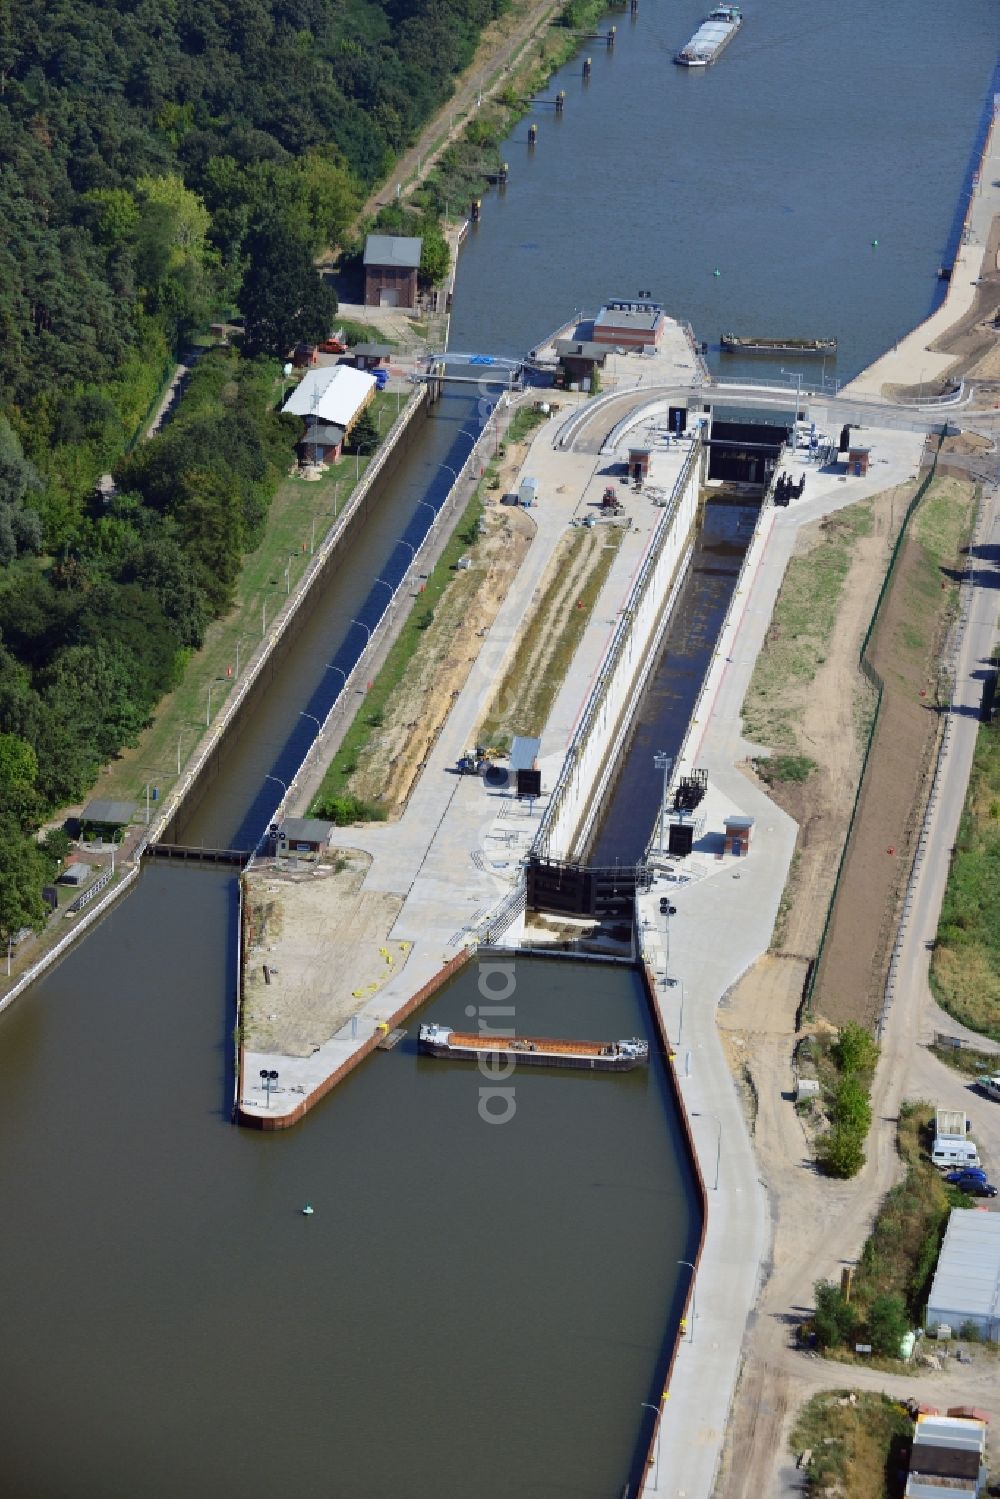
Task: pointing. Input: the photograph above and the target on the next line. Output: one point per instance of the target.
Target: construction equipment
(610, 502)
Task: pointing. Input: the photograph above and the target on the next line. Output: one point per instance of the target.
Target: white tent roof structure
(336, 394)
(967, 1280)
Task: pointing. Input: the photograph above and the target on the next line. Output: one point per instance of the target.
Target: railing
(612, 656)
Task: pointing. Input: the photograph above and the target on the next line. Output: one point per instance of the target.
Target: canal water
(472, 1306)
(666, 705)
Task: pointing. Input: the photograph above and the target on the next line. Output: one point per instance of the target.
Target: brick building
(391, 265)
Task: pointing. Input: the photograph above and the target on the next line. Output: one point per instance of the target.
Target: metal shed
(966, 1285)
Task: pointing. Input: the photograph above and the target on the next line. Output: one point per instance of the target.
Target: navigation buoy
(307, 1211)
(716, 272)
(874, 244)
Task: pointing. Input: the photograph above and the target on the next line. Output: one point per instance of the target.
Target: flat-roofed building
(966, 1287)
(948, 1458)
(635, 324)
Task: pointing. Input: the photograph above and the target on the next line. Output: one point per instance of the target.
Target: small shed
(638, 464)
(75, 874)
(303, 838)
(105, 819)
(966, 1287)
(371, 356)
(578, 358)
(858, 460)
(391, 265)
(304, 356)
(737, 835)
(323, 443)
(635, 323)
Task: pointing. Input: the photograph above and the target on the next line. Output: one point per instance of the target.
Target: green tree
(24, 869)
(18, 774)
(835, 1319)
(283, 300)
(851, 1107)
(854, 1049)
(365, 434)
(888, 1324)
(434, 257)
(842, 1152)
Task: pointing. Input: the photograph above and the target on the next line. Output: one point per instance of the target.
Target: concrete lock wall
(261, 671)
(604, 721)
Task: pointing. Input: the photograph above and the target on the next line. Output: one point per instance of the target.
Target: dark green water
(473, 1308)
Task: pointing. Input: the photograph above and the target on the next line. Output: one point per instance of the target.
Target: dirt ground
(826, 714)
(564, 598)
(324, 942)
(419, 706)
(905, 650)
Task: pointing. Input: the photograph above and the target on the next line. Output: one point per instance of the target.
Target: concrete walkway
(725, 915)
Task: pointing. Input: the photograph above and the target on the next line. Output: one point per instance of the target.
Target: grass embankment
(965, 967)
(897, 1264)
(797, 639)
(967, 1061)
(334, 791)
(859, 1444)
(300, 514)
(550, 635)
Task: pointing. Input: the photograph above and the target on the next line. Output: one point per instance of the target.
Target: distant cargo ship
(710, 38)
(732, 343)
(533, 1051)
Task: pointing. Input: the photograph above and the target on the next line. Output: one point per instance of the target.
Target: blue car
(967, 1174)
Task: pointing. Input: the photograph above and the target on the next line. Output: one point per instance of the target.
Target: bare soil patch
(559, 614)
(324, 941)
(418, 706)
(905, 650)
(809, 699)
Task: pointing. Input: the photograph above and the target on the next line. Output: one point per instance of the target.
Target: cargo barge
(532, 1051)
(733, 343)
(712, 35)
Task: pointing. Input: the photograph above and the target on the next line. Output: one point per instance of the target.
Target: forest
(162, 165)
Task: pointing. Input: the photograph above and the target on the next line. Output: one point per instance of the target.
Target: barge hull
(495, 1056)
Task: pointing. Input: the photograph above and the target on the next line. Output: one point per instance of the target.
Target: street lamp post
(704, 1114)
(413, 551)
(330, 667)
(238, 644)
(365, 628)
(208, 709)
(658, 1411)
(268, 1077)
(319, 726)
(693, 1307)
(280, 782)
(663, 762)
(428, 506)
(797, 377)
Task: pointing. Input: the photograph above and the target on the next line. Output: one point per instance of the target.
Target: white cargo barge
(710, 38)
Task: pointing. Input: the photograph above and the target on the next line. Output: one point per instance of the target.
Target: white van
(952, 1153)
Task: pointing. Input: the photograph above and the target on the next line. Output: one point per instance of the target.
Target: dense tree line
(158, 166)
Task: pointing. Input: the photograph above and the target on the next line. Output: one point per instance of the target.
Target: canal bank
(144, 1256)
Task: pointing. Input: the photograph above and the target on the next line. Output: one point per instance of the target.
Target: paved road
(775, 1380)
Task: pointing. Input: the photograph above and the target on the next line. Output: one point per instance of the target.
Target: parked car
(978, 1189)
(968, 1173)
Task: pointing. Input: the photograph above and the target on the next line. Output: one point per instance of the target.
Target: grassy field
(801, 627)
(967, 1061)
(529, 687)
(939, 528)
(860, 1445)
(965, 968)
(300, 514)
(369, 718)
